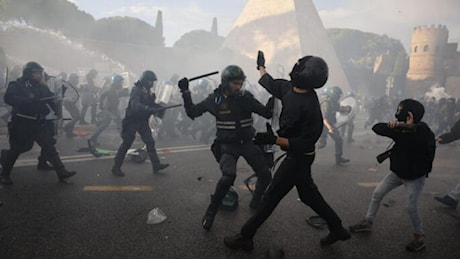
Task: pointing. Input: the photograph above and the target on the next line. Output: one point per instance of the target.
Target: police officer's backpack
(230, 201)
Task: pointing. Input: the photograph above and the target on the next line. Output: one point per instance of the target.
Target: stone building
(433, 60)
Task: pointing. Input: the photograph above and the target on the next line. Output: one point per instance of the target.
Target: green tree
(126, 30)
(58, 15)
(200, 40)
(359, 49)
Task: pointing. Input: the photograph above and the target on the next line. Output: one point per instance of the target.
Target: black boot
(334, 236)
(341, 161)
(117, 171)
(239, 242)
(43, 165)
(210, 214)
(156, 165)
(61, 172)
(64, 175)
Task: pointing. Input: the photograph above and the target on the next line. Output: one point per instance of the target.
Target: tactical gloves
(183, 85)
(265, 137)
(260, 60)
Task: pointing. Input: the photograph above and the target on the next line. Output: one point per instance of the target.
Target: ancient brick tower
(285, 30)
(428, 50)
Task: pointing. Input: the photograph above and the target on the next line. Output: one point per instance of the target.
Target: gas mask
(401, 114)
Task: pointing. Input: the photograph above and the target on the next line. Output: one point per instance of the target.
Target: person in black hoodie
(300, 126)
(411, 160)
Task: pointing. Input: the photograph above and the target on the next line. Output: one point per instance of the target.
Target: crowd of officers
(306, 117)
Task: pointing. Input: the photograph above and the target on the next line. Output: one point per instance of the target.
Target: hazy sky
(395, 18)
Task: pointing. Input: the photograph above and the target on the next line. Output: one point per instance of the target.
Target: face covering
(402, 115)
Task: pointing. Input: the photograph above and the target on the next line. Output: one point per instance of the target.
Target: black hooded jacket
(301, 120)
(414, 149)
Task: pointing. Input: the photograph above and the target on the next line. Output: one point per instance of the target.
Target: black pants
(254, 157)
(128, 134)
(23, 133)
(338, 141)
(293, 171)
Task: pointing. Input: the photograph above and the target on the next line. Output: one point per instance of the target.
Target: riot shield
(343, 118)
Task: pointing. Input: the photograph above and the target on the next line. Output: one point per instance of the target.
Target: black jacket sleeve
(199, 109)
(453, 135)
(278, 88)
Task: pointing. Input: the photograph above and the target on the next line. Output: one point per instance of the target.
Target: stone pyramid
(285, 30)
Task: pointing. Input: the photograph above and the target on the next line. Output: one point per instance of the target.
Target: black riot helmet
(309, 72)
(230, 73)
(335, 93)
(148, 78)
(31, 67)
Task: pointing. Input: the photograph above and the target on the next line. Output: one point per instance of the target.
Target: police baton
(166, 107)
(203, 76)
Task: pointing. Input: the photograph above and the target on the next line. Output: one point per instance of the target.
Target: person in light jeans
(411, 159)
(413, 190)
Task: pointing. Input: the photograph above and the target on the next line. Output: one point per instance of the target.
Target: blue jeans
(413, 191)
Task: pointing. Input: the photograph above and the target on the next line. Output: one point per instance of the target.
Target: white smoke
(437, 91)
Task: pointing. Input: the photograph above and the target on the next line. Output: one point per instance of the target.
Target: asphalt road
(99, 215)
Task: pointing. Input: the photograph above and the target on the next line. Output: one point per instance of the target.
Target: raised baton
(203, 76)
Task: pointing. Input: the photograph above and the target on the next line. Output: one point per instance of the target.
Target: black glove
(270, 103)
(260, 60)
(183, 85)
(265, 137)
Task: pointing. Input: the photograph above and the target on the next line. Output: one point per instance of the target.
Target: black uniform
(301, 122)
(234, 136)
(28, 125)
(109, 102)
(136, 119)
(329, 108)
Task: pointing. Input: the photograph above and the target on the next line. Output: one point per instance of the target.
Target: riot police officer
(141, 106)
(70, 104)
(330, 106)
(31, 101)
(89, 97)
(108, 103)
(232, 107)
